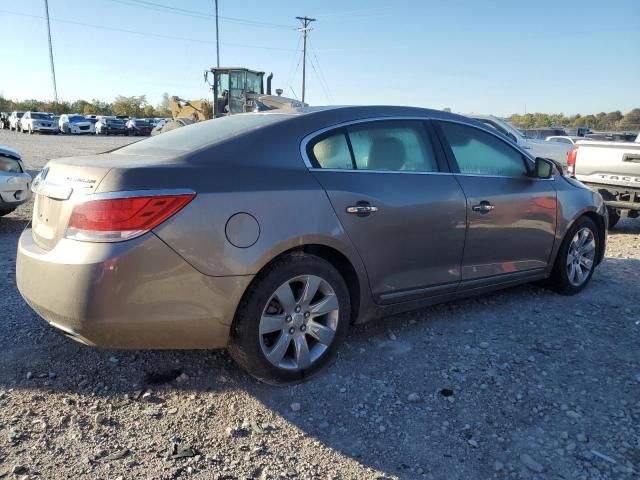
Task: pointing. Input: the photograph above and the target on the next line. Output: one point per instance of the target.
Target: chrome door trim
(471, 123)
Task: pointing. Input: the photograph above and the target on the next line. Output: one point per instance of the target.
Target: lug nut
(303, 328)
(289, 319)
(292, 331)
(298, 308)
(307, 314)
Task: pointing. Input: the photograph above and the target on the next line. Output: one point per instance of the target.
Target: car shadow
(407, 394)
(10, 224)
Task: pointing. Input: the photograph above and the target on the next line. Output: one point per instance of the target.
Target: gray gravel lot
(519, 384)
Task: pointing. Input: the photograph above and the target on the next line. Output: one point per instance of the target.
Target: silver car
(270, 233)
(15, 182)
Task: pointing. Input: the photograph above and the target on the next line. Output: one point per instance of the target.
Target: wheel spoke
(589, 247)
(271, 323)
(302, 351)
(579, 274)
(324, 306)
(285, 295)
(276, 354)
(586, 262)
(320, 332)
(572, 272)
(311, 285)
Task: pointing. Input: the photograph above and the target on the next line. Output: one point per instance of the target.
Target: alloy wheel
(299, 322)
(581, 256)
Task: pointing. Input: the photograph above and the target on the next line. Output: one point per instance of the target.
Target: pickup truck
(611, 169)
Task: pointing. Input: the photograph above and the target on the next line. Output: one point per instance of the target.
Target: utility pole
(53, 70)
(217, 37)
(305, 30)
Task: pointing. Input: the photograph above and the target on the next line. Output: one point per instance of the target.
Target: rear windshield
(198, 135)
(40, 116)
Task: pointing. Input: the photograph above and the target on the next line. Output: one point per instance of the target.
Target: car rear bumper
(14, 189)
(133, 294)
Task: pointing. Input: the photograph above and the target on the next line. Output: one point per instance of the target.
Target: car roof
(9, 152)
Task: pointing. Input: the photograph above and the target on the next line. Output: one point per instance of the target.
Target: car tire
(614, 217)
(576, 259)
(256, 347)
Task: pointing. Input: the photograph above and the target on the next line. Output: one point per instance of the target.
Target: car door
(511, 216)
(402, 210)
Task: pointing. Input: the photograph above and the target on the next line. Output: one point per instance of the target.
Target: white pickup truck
(611, 169)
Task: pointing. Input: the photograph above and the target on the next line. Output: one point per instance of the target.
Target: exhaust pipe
(269, 83)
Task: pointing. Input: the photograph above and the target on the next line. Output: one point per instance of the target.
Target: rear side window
(332, 151)
(381, 145)
(480, 153)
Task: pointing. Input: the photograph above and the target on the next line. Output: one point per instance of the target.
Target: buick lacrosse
(270, 233)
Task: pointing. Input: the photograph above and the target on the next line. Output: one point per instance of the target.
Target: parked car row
(75, 124)
(15, 181)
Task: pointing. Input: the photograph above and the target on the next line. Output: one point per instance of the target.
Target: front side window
(481, 153)
(382, 146)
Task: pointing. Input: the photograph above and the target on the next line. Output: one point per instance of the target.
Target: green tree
(132, 106)
(631, 121)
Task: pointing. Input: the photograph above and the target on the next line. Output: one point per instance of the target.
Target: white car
(539, 148)
(75, 124)
(15, 182)
(568, 139)
(14, 120)
(37, 122)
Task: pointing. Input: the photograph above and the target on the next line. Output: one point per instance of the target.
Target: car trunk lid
(56, 189)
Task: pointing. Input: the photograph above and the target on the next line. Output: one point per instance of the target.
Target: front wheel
(577, 258)
(291, 321)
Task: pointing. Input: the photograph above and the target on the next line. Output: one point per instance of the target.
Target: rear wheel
(614, 217)
(292, 320)
(576, 259)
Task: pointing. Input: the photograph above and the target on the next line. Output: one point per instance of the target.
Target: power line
(158, 35)
(194, 13)
(53, 70)
(306, 21)
(322, 77)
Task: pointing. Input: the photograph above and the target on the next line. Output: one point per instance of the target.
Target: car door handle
(362, 210)
(483, 207)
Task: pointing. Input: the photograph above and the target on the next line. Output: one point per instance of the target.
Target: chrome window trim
(311, 136)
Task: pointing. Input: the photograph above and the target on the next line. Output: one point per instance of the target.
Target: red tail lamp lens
(124, 217)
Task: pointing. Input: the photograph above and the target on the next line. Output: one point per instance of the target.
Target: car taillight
(122, 217)
(571, 160)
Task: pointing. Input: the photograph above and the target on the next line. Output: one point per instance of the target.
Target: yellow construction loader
(235, 90)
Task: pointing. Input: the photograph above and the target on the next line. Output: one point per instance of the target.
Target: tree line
(612, 121)
(135, 106)
(139, 107)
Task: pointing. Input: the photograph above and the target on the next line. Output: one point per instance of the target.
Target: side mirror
(543, 168)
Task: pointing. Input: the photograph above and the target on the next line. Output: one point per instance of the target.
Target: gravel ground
(519, 384)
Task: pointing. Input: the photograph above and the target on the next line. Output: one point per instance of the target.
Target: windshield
(77, 118)
(201, 134)
(40, 116)
(19, 114)
(113, 121)
(254, 83)
(142, 123)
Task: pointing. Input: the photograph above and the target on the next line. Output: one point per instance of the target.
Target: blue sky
(472, 56)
